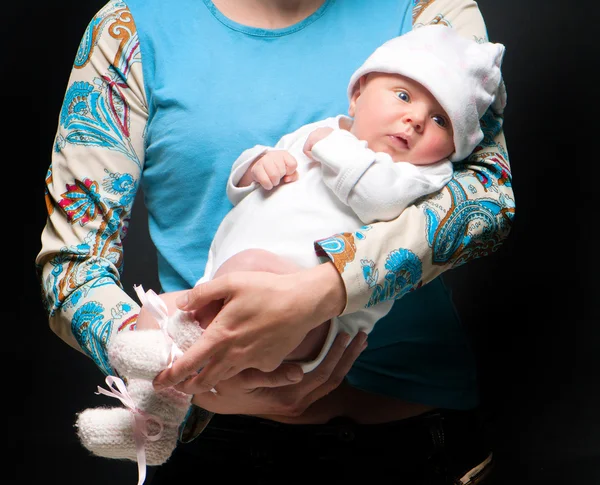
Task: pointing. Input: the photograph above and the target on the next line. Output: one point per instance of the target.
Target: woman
(167, 94)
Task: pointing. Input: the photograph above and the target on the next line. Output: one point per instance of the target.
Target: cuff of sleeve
(345, 159)
(194, 423)
(92, 340)
(341, 251)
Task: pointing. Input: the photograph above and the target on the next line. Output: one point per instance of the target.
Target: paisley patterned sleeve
(95, 169)
(469, 218)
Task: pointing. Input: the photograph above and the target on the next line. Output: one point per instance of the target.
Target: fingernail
(294, 375)
(182, 300)
(158, 386)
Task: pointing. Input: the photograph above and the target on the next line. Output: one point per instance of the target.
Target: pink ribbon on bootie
(151, 301)
(140, 421)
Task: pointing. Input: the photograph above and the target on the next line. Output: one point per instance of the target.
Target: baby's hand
(274, 167)
(316, 136)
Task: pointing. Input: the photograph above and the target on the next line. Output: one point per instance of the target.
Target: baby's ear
(358, 88)
(352, 107)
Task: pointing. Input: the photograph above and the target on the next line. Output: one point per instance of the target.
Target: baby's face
(398, 116)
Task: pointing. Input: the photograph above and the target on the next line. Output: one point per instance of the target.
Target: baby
(414, 107)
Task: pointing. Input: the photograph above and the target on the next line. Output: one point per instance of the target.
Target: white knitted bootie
(111, 432)
(146, 428)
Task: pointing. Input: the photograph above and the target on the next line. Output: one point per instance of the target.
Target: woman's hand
(264, 317)
(273, 395)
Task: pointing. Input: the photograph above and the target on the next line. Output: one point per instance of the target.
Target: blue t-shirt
(215, 88)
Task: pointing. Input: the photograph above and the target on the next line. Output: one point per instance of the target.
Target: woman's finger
(321, 373)
(201, 383)
(215, 371)
(206, 400)
(196, 357)
(217, 289)
(333, 372)
(348, 358)
(284, 375)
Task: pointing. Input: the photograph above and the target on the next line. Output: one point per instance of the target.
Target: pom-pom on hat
(462, 74)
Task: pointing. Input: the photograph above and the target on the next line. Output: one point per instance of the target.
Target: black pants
(433, 448)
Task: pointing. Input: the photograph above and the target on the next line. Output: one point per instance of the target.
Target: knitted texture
(108, 432)
(184, 329)
(139, 354)
(170, 405)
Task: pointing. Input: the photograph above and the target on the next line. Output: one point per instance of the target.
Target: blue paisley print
(403, 272)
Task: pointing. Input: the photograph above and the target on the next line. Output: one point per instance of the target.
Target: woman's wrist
(315, 295)
(331, 297)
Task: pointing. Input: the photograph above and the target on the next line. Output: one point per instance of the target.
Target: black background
(532, 308)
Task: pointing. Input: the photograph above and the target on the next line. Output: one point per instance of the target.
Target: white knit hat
(463, 75)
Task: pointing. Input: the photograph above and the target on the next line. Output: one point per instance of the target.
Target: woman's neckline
(261, 32)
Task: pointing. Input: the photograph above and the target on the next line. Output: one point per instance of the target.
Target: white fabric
(462, 74)
(348, 180)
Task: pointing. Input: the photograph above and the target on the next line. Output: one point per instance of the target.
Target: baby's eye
(403, 95)
(440, 120)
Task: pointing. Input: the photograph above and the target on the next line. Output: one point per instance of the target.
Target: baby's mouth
(401, 141)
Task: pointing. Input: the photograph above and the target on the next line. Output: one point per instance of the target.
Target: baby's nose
(416, 122)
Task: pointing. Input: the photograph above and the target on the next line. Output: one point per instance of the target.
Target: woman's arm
(468, 219)
(95, 169)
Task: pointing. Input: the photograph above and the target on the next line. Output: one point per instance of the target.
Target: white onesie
(348, 187)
